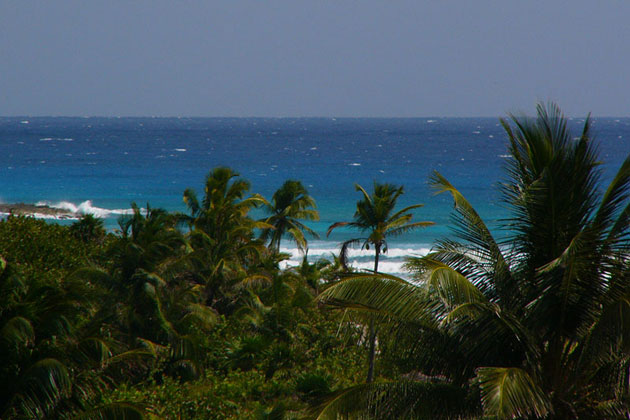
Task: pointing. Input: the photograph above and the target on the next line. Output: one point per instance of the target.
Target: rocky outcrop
(23, 209)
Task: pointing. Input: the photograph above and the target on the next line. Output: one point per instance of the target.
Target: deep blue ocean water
(111, 162)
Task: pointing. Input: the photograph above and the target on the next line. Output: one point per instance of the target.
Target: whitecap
(47, 216)
(25, 122)
(476, 132)
(46, 139)
(180, 150)
(330, 249)
(430, 121)
(354, 164)
(391, 262)
(85, 207)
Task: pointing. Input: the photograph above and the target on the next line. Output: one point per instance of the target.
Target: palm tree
(224, 204)
(534, 326)
(290, 204)
(88, 228)
(375, 216)
(222, 235)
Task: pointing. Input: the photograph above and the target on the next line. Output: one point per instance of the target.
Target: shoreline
(38, 211)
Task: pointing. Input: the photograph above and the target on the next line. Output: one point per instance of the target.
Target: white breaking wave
(391, 262)
(357, 253)
(85, 207)
(46, 216)
(388, 267)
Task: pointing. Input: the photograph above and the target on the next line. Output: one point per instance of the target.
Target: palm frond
(114, 411)
(336, 225)
(405, 210)
(400, 230)
(453, 288)
(42, 387)
(508, 393)
(398, 400)
(379, 295)
(366, 196)
(17, 331)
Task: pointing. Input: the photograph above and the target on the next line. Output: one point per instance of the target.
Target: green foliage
(223, 250)
(312, 386)
(126, 325)
(531, 327)
(35, 247)
(290, 204)
(88, 228)
(375, 216)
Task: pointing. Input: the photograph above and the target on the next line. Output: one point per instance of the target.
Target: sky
(292, 58)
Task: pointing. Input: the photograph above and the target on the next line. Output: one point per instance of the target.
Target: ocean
(101, 165)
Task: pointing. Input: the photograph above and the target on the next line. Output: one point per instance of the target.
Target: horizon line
(507, 115)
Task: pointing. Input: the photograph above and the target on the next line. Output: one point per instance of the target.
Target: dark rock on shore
(24, 209)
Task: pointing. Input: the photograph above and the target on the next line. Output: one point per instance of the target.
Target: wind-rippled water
(101, 165)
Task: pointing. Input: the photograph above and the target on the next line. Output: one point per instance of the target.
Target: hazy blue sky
(313, 58)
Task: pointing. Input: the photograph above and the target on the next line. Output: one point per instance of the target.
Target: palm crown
(375, 216)
(290, 204)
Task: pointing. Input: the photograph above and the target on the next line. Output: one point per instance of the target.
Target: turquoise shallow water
(100, 165)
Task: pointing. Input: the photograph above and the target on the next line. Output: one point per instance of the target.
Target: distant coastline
(41, 211)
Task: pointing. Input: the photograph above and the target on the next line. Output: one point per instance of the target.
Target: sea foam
(85, 207)
(390, 262)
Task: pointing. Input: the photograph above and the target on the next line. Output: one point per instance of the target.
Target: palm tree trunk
(372, 331)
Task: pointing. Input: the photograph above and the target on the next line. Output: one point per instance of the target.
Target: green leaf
(398, 400)
(453, 288)
(114, 411)
(509, 393)
(42, 387)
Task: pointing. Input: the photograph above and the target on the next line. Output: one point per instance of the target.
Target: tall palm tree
(224, 205)
(222, 234)
(375, 216)
(535, 326)
(290, 204)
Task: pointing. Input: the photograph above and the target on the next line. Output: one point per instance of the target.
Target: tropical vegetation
(190, 315)
(290, 204)
(532, 326)
(376, 218)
